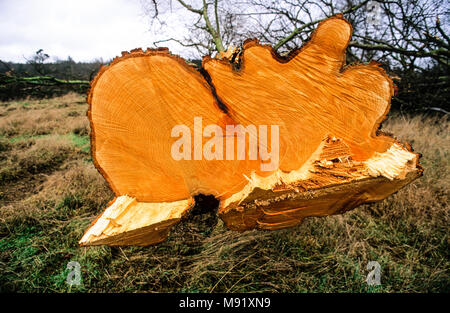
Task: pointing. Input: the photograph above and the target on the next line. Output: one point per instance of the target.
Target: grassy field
(50, 192)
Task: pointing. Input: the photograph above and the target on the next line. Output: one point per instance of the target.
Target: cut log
(320, 121)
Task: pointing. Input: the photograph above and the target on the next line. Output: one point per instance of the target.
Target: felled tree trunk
(330, 159)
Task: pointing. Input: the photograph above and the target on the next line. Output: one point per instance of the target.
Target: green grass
(50, 192)
(82, 142)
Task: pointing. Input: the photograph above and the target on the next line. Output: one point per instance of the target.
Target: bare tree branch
(298, 30)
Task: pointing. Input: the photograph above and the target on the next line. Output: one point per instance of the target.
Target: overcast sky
(82, 29)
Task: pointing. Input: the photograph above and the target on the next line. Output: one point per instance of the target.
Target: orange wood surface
(310, 94)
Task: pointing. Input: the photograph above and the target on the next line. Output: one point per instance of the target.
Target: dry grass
(43, 117)
(50, 192)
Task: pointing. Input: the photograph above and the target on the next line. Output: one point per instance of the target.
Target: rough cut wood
(331, 157)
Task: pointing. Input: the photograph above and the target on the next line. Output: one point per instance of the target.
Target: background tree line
(38, 78)
(408, 37)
